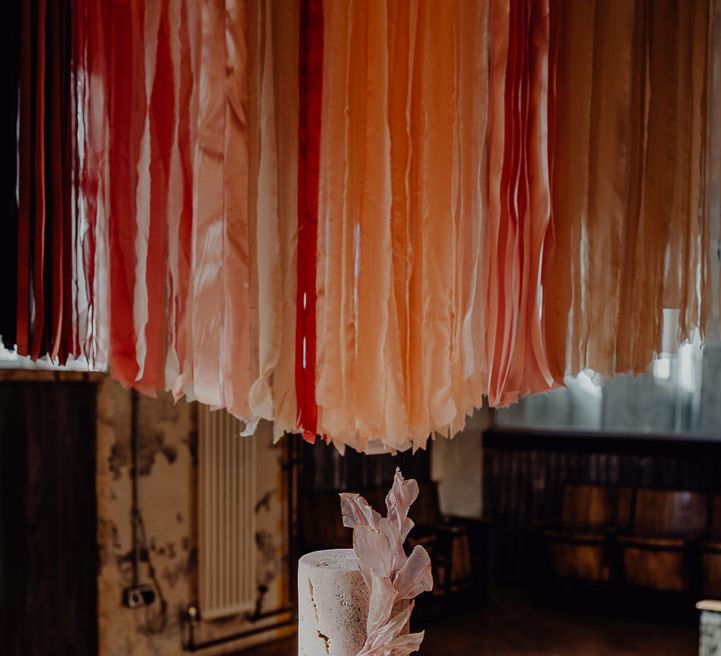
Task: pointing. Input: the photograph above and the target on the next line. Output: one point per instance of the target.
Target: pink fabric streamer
(390, 575)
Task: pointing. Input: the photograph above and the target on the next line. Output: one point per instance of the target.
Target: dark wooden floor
(512, 625)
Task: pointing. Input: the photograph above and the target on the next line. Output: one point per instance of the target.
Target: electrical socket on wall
(138, 596)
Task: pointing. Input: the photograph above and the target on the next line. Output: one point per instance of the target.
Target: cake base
(332, 604)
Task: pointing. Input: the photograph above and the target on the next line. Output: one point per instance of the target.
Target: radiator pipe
(193, 646)
(134, 474)
(293, 443)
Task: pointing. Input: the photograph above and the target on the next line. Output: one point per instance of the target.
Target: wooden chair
(460, 550)
(656, 554)
(581, 546)
(711, 554)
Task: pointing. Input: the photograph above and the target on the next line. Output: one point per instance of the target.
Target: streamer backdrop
(361, 219)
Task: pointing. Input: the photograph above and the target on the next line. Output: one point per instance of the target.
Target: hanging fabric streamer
(49, 312)
(519, 203)
(628, 188)
(200, 279)
(310, 88)
(90, 210)
(430, 255)
(711, 235)
(361, 220)
(9, 79)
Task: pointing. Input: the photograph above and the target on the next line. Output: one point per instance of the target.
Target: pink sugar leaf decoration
(383, 597)
(414, 576)
(356, 511)
(387, 639)
(390, 575)
(373, 551)
(398, 502)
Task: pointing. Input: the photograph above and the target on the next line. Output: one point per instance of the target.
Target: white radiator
(226, 515)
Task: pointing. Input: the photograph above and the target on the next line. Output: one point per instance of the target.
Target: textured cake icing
(332, 604)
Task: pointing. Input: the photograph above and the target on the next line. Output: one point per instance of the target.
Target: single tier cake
(332, 604)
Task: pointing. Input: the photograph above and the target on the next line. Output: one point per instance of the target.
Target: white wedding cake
(332, 604)
(358, 602)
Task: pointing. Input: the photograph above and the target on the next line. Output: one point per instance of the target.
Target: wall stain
(167, 549)
(176, 572)
(267, 561)
(264, 502)
(149, 446)
(191, 443)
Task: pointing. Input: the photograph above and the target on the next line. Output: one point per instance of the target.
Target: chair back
(426, 510)
(669, 512)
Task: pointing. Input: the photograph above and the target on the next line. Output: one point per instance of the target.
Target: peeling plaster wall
(167, 497)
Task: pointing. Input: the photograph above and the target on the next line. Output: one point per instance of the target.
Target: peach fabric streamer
(399, 206)
(273, 393)
(434, 210)
(209, 255)
(335, 266)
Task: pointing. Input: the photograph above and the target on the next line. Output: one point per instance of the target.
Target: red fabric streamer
(185, 222)
(161, 120)
(25, 174)
(45, 313)
(127, 116)
(68, 336)
(311, 92)
(517, 357)
(37, 221)
(58, 229)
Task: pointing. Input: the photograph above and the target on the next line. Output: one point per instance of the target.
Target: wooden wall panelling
(48, 546)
